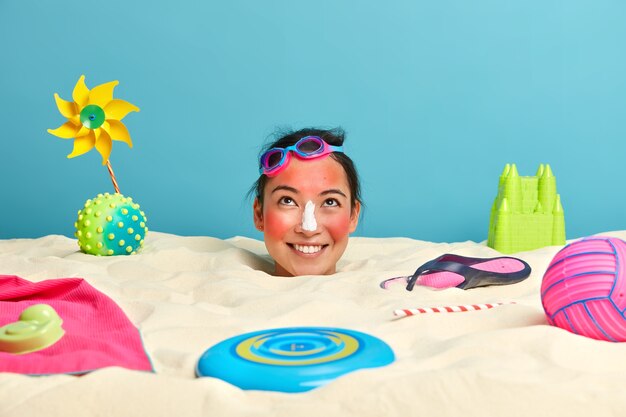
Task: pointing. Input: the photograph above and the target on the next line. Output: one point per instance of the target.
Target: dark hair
(333, 137)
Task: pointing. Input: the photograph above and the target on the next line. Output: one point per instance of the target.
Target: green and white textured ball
(110, 224)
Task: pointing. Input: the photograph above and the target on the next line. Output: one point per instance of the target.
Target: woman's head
(308, 207)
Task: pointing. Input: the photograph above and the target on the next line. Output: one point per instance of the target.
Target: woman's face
(306, 217)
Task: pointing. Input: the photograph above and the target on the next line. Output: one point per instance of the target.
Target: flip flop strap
(455, 267)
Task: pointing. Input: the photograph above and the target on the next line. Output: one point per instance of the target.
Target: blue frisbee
(294, 359)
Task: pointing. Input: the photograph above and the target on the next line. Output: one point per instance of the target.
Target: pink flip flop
(451, 270)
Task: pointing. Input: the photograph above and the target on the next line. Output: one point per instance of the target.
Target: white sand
(187, 293)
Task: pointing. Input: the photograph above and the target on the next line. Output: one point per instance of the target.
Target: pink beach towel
(97, 332)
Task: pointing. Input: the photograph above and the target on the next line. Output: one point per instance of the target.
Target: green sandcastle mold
(527, 212)
(38, 327)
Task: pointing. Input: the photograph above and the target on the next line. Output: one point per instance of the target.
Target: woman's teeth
(307, 249)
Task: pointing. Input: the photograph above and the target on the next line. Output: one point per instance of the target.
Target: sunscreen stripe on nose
(308, 217)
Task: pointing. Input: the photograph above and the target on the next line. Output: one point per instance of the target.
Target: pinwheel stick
(117, 188)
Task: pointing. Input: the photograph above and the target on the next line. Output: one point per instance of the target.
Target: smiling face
(306, 217)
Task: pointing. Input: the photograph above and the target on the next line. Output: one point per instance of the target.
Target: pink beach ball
(584, 288)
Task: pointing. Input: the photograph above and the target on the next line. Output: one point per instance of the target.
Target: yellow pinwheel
(94, 119)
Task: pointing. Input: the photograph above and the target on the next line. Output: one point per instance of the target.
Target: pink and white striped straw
(400, 313)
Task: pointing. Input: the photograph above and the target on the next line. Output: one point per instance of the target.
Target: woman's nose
(308, 224)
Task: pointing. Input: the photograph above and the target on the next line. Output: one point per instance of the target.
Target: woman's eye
(331, 202)
(287, 201)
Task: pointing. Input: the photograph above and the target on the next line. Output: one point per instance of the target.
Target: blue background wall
(435, 96)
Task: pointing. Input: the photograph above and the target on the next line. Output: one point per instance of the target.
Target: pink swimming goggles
(309, 147)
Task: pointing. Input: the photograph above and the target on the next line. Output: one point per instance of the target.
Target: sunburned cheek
(338, 227)
(277, 225)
